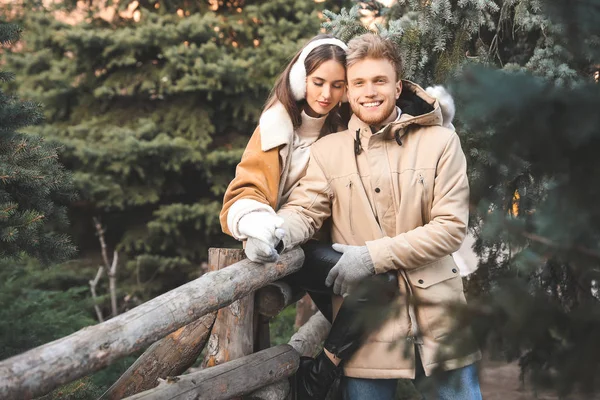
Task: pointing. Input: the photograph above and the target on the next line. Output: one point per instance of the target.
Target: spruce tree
(34, 186)
(432, 37)
(40, 300)
(534, 133)
(527, 118)
(153, 108)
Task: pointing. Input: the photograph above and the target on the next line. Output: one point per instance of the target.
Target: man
(396, 189)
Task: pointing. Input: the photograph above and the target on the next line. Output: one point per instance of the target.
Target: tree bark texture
(170, 356)
(273, 298)
(232, 334)
(232, 379)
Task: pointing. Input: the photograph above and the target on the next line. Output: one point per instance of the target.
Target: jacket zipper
(350, 209)
(425, 210)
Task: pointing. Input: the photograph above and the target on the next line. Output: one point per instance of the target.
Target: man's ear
(398, 89)
(345, 96)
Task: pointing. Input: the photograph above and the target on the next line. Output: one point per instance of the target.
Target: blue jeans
(458, 384)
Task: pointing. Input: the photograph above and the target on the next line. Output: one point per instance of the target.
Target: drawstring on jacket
(357, 145)
(397, 137)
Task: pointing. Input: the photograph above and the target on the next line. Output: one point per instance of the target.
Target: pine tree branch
(9, 33)
(6, 76)
(550, 243)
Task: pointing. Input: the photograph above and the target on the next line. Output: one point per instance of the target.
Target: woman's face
(325, 87)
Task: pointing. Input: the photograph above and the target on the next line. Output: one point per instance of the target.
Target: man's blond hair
(370, 45)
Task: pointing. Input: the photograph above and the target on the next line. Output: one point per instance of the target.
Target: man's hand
(264, 232)
(354, 265)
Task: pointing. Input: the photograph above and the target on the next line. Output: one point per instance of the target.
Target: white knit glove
(354, 265)
(264, 232)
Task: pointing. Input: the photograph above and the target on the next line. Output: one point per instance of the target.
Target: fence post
(232, 334)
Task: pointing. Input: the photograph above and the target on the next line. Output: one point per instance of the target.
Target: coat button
(454, 270)
(421, 281)
(377, 190)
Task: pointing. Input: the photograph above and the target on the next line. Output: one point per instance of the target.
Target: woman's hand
(264, 232)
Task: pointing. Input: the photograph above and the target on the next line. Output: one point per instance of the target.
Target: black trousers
(363, 310)
(319, 259)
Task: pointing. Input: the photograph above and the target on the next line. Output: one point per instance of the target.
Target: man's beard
(373, 119)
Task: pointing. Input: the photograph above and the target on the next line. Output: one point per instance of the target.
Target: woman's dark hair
(337, 119)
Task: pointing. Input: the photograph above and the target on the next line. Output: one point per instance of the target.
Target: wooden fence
(225, 311)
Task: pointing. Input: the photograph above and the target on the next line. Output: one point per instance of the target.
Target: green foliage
(544, 138)
(532, 135)
(346, 24)
(81, 389)
(282, 326)
(9, 33)
(33, 185)
(44, 304)
(40, 305)
(432, 37)
(530, 128)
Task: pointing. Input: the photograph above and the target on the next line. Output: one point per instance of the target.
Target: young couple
(392, 186)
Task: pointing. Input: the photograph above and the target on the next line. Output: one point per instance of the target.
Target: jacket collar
(276, 128)
(418, 108)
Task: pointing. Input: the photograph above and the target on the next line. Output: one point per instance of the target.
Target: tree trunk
(232, 379)
(44, 368)
(232, 333)
(305, 308)
(112, 284)
(93, 285)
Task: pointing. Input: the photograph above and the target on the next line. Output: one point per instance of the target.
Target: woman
(305, 104)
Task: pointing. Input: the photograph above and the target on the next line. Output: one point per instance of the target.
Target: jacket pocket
(425, 210)
(436, 286)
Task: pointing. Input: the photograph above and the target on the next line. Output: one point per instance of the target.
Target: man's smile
(372, 104)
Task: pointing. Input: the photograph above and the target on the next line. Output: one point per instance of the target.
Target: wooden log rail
(40, 370)
(266, 369)
(234, 378)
